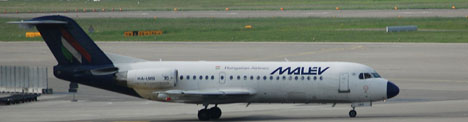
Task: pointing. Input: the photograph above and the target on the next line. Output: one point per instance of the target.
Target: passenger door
(344, 83)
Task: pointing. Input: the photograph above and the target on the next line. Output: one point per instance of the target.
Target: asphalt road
(253, 14)
(432, 77)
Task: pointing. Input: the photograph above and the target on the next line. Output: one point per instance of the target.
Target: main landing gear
(352, 113)
(206, 114)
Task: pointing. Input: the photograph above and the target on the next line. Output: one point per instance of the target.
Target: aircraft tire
(215, 113)
(204, 115)
(352, 113)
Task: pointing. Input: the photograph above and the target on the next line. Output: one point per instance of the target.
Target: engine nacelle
(150, 78)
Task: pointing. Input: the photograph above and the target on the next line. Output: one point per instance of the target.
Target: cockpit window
(365, 75)
(376, 75)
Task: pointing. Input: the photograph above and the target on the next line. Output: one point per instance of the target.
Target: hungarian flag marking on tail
(71, 48)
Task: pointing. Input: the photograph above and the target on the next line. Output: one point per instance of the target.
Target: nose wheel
(213, 113)
(352, 113)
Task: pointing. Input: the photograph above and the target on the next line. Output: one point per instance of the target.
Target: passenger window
(245, 77)
(212, 77)
(296, 78)
(238, 77)
(302, 77)
(271, 77)
(284, 77)
(231, 77)
(201, 77)
(308, 77)
(251, 77)
(194, 77)
(206, 77)
(290, 78)
(222, 77)
(181, 77)
(258, 77)
(315, 77)
(277, 77)
(188, 77)
(264, 77)
(321, 78)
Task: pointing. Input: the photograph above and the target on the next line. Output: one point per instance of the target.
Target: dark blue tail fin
(68, 42)
(79, 59)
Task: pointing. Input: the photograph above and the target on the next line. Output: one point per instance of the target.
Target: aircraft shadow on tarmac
(308, 118)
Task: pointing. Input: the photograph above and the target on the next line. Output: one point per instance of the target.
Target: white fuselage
(272, 82)
(80, 60)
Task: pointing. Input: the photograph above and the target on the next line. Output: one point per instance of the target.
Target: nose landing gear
(352, 113)
(206, 114)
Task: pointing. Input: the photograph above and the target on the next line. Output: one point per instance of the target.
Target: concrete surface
(250, 14)
(433, 78)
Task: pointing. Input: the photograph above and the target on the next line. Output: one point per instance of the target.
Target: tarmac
(255, 14)
(433, 78)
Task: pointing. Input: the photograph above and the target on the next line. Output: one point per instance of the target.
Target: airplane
(81, 61)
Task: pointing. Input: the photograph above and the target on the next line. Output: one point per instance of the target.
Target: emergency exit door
(222, 77)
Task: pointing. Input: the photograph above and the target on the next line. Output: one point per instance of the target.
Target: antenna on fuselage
(286, 59)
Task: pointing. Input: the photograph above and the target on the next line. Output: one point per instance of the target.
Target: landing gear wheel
(352, 113)
(215, 113)
(204, 115)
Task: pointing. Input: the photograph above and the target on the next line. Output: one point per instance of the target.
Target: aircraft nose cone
(392, 90)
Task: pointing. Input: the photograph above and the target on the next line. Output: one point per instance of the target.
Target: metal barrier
(401, 28)
(23, 79)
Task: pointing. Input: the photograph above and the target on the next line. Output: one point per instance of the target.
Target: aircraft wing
(213, 96)
(219, 92)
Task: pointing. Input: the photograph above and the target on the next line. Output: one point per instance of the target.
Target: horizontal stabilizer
(31, 23)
